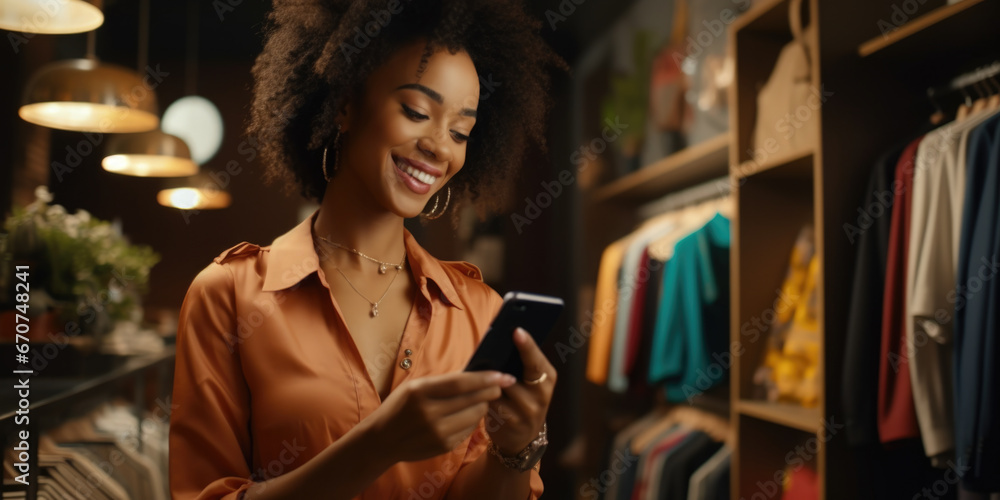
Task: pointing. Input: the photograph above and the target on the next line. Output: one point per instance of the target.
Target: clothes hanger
(686, 417)
(964, 108)
(980, 103)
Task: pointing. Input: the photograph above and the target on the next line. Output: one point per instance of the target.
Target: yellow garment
(789, 370)
(605, 306)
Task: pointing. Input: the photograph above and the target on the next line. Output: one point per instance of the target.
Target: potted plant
(83, 270)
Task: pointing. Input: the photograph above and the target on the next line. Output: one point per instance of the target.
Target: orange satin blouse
(267, 375)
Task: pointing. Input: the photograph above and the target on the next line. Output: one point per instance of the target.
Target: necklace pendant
(374, 310)
(381, 268)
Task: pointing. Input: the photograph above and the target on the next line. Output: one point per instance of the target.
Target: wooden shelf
(788, 415)
(797, 164)
(689, 166)
(955, 14)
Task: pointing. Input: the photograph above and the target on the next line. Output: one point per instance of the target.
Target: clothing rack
(54, 400)
(963, 81)
(715, 188)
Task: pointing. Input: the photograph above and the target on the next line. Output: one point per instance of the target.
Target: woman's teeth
(419, 175)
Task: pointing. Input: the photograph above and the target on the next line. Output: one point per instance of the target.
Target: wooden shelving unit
(794, 163)
(698, 163)
(796, 417)
(878, 83)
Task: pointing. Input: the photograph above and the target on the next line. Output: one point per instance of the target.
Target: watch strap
(519, 461)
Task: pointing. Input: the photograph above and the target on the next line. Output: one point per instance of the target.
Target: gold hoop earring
(336, 157)
(434, 214)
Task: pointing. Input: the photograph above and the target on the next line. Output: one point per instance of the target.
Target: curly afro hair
(312, 65)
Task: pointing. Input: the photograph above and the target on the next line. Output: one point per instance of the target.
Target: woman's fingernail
(508, 380)
(494, 377)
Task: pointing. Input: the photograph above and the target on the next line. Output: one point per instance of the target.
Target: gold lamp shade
(148, 154)
(198, 192)
(50, 17)
(87, 96)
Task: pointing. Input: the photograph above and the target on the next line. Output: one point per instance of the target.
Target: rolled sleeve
(209, 425)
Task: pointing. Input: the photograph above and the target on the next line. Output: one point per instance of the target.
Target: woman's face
(406, 137)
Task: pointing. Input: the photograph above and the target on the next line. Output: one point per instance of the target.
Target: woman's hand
(428, 416)
(516, 418)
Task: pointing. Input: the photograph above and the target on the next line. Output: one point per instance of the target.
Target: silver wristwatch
(529, 457)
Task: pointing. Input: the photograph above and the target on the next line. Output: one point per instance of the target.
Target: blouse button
(406, 363)
(408, 352)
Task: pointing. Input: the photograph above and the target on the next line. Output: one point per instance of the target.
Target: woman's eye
(413, 114)
(459, 137)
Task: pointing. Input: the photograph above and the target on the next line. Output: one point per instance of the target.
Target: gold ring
(539, 380)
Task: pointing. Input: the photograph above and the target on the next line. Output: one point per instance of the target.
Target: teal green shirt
(691, 332)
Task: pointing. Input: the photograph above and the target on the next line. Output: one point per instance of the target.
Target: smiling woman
(315, 63)
(329, 364)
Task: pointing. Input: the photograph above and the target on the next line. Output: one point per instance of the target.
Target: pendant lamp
(85, 95)
(50, 17)
(198, 192)
(148, 154)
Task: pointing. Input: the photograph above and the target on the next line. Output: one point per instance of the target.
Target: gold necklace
(382, 266)
(374, 311)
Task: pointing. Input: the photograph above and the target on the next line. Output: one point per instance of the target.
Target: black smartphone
(535, 313)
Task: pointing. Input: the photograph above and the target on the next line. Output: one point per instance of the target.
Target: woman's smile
(418, 176)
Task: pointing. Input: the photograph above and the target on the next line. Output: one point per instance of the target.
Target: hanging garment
(932, 263)
(629, 287)
(692, 326)
(637, 364)
(717, 483)
(652, 457)
(700, 487)
(977, 348)
(677, 468)
(603, 315)
(897, 417)
(864, 324)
